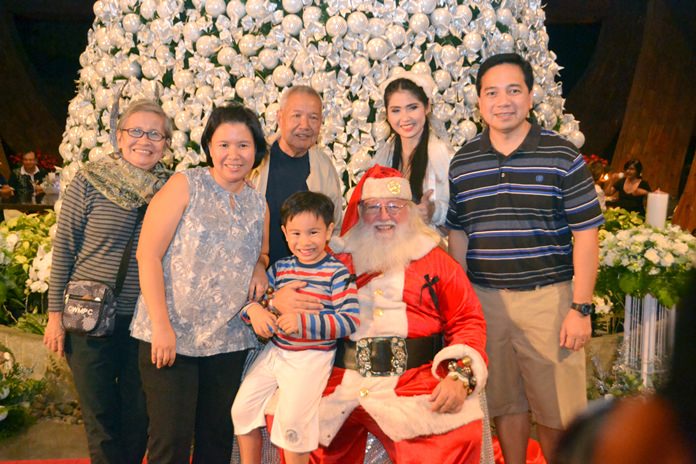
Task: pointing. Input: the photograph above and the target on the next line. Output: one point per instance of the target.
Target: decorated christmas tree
(193, 54)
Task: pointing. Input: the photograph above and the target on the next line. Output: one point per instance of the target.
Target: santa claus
(412, 373)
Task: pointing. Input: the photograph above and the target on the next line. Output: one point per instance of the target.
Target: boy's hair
(307, 202)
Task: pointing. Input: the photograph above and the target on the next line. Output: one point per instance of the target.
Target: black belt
(386, 356)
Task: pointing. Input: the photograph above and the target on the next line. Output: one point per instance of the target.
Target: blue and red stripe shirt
(330, 281)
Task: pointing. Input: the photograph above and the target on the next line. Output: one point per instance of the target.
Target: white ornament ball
(473, 42)
(166, 9)
(292, 6)
(577, 138)
(425, 6)
(207, 45)
(419, 22)
(506, 43)
(268, 58)
(126, 5)
(104, 66)
(336, 26)
(463, 13)
(256, 9)
(235, 8)
(421, 68)
(131, 23)
(179, 139)
(376, 27)
(360, 66)
(311, 14)
(89, 139)
(292, 24)
(521, 31)
(468, 129)
(134, 69)
(442, 79)
(381, 130)
(226, 56)
(488, 18)
(191, 32)
(245, 87)
(319, 82)
(505, 17)
(441, 17)
(396, 35)
(148, 9)
(204, 94)
(247, 45)
(357, 22)
(182, 120)
(102, 98)
(163, 55)
(272, 111)
(538, 94)
(360, 109)
(377, 48)
(449, 54)
(151, 68)
(96, 153)
(215, 8)
(544, 110)
(470, 95)
(196, 134)
(101, 36)
(183, 78)
(301, 62)
(283, 76)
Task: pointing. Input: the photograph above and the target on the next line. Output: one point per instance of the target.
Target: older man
(295, 163)
(412, 373)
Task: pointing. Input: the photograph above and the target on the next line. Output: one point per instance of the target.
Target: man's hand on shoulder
(448, 396)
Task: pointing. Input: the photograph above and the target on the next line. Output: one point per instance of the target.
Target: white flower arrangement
(193, 54)
(646, 260)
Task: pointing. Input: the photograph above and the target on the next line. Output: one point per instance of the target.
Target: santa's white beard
(373, 252)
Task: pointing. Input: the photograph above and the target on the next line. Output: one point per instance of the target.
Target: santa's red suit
(397, 408)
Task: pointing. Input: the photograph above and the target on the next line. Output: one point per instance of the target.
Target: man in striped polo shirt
(523, 221)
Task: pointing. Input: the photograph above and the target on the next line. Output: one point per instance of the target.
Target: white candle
(656, 213)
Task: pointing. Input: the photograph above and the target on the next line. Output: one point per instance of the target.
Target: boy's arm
(338, 322)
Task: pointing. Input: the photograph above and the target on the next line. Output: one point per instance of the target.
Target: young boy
(299, 357)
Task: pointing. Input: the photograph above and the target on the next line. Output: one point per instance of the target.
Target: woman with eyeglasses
(101, 213)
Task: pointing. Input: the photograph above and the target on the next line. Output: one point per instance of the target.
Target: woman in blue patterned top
(202, 254)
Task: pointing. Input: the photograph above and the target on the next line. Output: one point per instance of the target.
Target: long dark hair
(419, 159)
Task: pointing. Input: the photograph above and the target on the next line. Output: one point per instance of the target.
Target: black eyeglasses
(137, 132)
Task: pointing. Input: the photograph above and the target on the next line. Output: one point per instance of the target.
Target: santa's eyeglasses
(373, 208)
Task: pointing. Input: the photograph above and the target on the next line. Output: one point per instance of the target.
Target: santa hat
(377, 182)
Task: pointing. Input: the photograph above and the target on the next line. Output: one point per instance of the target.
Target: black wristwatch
(583, 308)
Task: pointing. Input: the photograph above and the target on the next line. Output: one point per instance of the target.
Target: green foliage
(619, 219)
(22, 284)
(17, 391)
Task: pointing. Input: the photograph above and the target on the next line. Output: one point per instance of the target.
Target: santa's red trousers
(458, 446)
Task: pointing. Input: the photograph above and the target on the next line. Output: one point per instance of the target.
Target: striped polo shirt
(91, 237)
(329, 280)
(519, 211)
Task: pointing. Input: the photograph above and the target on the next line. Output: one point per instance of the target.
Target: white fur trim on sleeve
(458, 352)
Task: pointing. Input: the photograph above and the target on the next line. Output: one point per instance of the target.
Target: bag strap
(125, 259)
